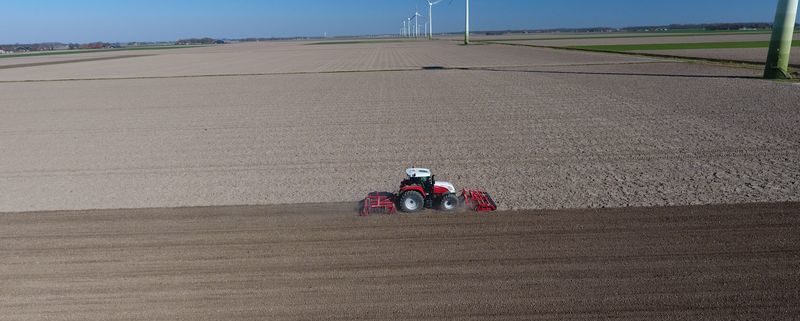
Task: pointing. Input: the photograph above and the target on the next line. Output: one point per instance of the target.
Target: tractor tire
(411, 202)
(449, 203)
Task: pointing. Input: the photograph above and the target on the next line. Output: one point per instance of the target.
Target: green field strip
(82, 51)
(641, 35)
(681, 46)
(354, 42)
(640, 54)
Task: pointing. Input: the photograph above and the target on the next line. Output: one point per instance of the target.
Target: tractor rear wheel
(448, 203)
(411, 202)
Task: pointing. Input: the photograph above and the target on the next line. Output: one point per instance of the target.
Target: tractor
(420, 190)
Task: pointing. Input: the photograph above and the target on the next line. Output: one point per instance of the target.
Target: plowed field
(322, 262)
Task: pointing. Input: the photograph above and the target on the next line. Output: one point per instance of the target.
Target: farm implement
(420, 190)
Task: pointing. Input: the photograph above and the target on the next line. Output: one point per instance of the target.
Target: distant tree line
(50, 46)
(276, 39)
(32, 47)
(199, 41)
(94, 45)
(705, 26)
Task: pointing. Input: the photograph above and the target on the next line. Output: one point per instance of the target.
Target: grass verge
(682, 46)
(627, 35)
(728, 62)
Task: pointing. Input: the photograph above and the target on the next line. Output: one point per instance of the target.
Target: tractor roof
(418, 172)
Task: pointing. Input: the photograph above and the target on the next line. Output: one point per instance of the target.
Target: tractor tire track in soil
(323, 262)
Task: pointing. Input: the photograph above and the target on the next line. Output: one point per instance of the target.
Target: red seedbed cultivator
(378, 203)
(478, 200)
(420, 190)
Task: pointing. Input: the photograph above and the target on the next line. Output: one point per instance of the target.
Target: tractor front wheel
(411, 202)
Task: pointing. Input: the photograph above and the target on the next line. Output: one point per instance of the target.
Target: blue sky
(148, 20)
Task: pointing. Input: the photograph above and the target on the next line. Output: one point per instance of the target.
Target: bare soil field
(322, 262)
(299, 57)
(540, 129)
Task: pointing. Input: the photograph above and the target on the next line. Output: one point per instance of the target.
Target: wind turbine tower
(416, 23)
(466, 26)
(781, 44)
(430, 16)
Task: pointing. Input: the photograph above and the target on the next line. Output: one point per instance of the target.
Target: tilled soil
(323, 262)
(538, 128)
(299, 57)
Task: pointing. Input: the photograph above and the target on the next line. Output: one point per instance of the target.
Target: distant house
(2, 51)
(95, 45)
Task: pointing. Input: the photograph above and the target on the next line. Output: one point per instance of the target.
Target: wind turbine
(430, 16)
(416, 22)
(404, 31)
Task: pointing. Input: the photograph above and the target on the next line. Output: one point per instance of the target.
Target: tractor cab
(419, 172)
(420, 177)
(424, 177)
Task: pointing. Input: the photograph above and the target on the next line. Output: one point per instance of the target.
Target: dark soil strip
(37, 64)
(324, 262)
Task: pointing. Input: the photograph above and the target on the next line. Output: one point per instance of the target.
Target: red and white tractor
(420, 190)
